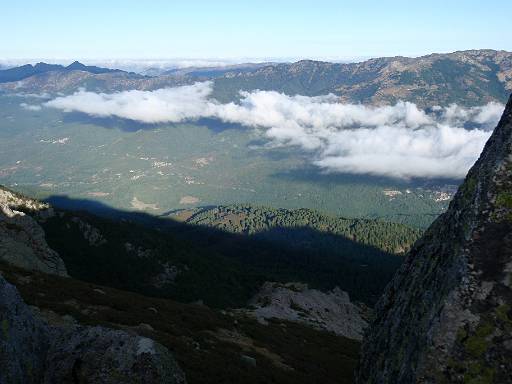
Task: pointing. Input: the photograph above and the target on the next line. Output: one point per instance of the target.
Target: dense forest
(262, 222)
(190, 262)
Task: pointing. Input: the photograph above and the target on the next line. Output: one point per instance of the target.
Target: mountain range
(466, 77)
(28, 70)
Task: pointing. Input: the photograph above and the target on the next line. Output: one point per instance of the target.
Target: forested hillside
(190, 262)
(284, 225)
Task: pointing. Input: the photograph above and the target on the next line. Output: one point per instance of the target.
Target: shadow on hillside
(107, 122)
(315, 174)
(323, 260)
(127, 125)
(218, 126)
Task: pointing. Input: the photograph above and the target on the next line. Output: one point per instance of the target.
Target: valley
(242, 223)
(160, 168)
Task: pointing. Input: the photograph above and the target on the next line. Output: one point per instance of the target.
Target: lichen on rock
(446, 317)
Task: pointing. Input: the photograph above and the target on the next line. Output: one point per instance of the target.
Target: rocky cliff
(447, 315)
(22, 240)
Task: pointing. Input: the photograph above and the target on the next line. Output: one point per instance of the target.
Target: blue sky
(250, 29)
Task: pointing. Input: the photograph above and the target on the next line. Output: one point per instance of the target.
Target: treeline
(270, 223)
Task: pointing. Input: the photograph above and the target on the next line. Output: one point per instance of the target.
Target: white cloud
(487, 115)
(163, 105)
(397, 141)
(43, 95)
(30, 107)
(397, 151)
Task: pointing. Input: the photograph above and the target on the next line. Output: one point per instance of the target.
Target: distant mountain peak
(76, 65)
(41, 66)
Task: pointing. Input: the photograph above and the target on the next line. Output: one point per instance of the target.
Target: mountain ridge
(28, 70)
(463, 77)
(468, 78)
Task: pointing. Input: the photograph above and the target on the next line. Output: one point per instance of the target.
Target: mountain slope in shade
(447, 315)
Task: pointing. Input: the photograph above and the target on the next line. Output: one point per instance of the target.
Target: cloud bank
(397, 141)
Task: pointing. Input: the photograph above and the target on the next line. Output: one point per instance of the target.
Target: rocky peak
(76, 65)
(43, 67)
(447, 314)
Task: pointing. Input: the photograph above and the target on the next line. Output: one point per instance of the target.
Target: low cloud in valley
(398, 141)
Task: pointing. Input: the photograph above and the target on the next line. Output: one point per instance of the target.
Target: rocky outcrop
(24, 339)
(330, 311)
(447, 315)
(31, 351)
(22, 240)
(101, 355)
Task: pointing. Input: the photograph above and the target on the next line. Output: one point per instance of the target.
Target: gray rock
(446, 317)
(24, 339)
(22, 240)
(31, 351)
(101, 355)
(332, 311)
(167, 276)
(90, 233)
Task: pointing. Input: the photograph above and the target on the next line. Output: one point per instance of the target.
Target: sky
(236, 30)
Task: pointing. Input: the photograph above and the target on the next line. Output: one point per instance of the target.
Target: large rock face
(447, 315)
(24, 339)
(22, 240)
(33, 352)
